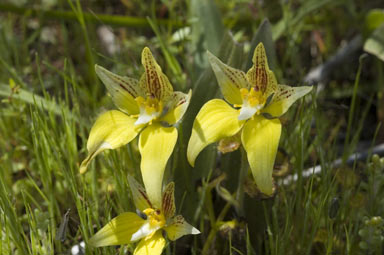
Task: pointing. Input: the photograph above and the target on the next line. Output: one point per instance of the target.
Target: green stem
(210, 238)
(210, 210)
(224, 212)
(240, 186)
(88, 54)
(214, 229)
(116, 20)
(352, 109)
(330, 239)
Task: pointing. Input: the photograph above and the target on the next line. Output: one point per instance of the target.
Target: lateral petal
(139, 195)
(215, 120)
(177, 106)
(260, 138)
(151, 246)
(285, 96)
(156, 146)
(168, 201)
(178, 227)
(230, 80)
(260, 76)
(122, 89)
(111, 130)
(154, 82)
(118, 231)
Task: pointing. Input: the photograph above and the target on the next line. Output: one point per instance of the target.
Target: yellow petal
(154, 82)
(151, 246)
(178, 227)
(156, 145)
(118, 231)
(284, 97)
(168, 201)
(178, 105)
(260, 138)
(111, 130)
(139, 195)
(122, 89)
(230, 80)
(260, 76)
(215, 120)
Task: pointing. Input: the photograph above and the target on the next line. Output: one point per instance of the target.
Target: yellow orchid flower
(258, 96)
(147, 225)
(149, 106)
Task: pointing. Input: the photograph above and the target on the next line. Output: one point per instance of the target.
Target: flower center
(252, 97)
(155, 221)
(150, 109)
(253, 102)
(156, 218)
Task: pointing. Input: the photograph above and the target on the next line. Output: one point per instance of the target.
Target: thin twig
(359, 156)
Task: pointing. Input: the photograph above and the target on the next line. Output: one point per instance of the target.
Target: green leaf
(375, 43)
(290, 20)
(207, 29)
(204, 89)
(30, 98)
(373, 20)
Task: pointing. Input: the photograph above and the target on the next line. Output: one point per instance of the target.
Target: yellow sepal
(156, 146)
(111, 130)
(260, 76)
(178, 105)
(118, 231)
(151, 246)
(284, 97)
(154, 82)
(122, 89)
(178, 227)
(260, 138)
(215, 120)
(168, 206)
(230, 80)
(139, 195)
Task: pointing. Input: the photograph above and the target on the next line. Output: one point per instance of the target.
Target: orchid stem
(214, 229)
(240, 187)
